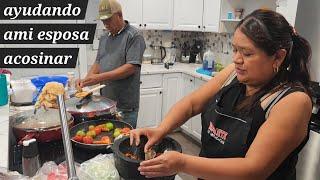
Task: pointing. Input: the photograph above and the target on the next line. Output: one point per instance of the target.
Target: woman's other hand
(167, 164)
(154, 135)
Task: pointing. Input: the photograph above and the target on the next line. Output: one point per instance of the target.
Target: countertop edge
(160, 70)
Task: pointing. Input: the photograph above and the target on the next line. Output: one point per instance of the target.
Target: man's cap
(107, 8)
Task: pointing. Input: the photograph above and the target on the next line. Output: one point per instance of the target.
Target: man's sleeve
(99, 53)
(135, 50)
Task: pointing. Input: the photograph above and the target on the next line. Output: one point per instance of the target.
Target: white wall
(308, 25)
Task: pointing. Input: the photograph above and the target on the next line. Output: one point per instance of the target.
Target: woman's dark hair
(270, 31)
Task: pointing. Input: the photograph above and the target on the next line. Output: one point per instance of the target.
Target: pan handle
(118, 115)
(28, 136)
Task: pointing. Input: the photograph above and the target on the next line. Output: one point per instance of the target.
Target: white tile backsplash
(219, 43)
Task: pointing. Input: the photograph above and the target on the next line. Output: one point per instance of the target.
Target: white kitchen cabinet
(150, 107)
(148, 14)
(132, 11)
(171, 91)
(196, 120)
(187, 87)
(197, 15)
(288, 9)
(211, 15)
(188, 15)
(157, 14)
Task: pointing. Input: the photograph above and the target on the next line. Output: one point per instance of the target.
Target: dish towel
(205, 72)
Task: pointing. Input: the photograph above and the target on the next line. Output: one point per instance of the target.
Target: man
(118, 62)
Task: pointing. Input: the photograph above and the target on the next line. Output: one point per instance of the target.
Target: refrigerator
(307, 25)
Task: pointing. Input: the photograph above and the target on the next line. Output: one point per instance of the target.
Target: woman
(254, 121)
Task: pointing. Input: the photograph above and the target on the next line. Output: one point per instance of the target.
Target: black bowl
(128, 168)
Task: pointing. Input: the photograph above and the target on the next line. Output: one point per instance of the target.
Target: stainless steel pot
(97, 106)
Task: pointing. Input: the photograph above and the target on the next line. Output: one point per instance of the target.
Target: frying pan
(44, 126)
(85, 126)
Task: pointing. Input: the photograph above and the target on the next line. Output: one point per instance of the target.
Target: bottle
(208, 60)
(3, 90)
(198, 58)
(71, 83)
(30, 157)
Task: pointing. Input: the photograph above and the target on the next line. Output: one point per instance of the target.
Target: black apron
(226, 134)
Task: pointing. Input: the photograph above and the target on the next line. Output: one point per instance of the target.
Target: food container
(23, 92)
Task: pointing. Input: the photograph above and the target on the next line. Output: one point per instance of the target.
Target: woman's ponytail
(299, 60)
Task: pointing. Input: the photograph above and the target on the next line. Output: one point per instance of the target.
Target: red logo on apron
(218, 134)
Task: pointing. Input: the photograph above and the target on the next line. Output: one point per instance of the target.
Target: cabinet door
(211, 15)
(187, 87)
(196, 120)
(150, 107)
(188, 15)
(288, 9)
(157, 14)
(171, 91)
(132, 11)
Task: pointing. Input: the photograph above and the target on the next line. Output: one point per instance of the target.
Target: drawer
(151, 81)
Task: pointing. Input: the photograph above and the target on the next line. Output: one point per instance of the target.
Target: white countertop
(4, 138)
(189, 69)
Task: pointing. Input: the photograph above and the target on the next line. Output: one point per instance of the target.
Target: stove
(49, 151)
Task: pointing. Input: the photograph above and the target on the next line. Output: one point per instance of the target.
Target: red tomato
(106, 139)
(103, 140)
(78, 138)
(87, 140)
(101, 126)
(125, 130)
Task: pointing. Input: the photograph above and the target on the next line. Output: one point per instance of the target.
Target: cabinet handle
(191, 80)
(145, 25)
(199, 27)
(140, 82)
(160, 92)
(140, 25)
(204, 27)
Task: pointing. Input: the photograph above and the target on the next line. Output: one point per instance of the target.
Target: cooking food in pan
(100, 134)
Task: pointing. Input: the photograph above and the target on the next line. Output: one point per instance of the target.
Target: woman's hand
(154, 135)
(167, 164)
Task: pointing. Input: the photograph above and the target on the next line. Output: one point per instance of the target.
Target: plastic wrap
(100, 167)
(11, 175)
(51, 171)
